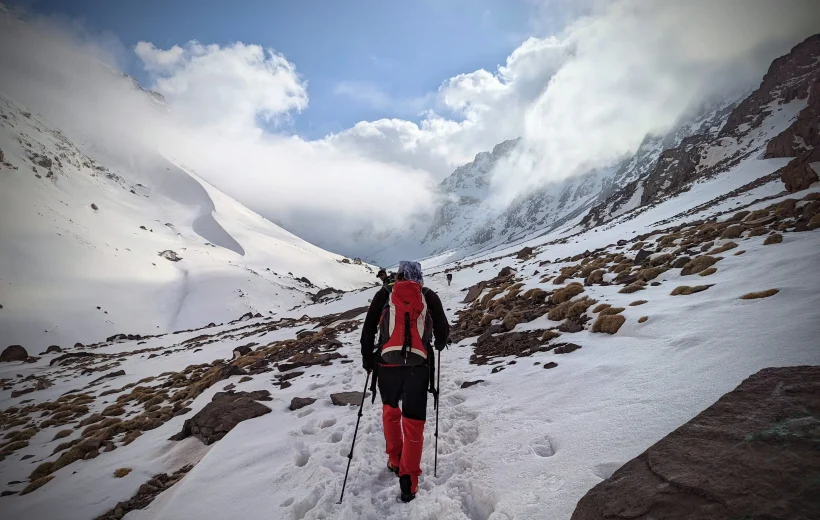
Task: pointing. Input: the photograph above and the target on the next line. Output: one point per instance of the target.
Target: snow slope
(526, 443)
(73, 273)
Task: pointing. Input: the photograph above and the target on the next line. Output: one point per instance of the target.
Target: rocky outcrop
(222, 414)
(170, 255)
(13, 353)
(800, 173)
(803, 134)
(300, 402)
(752, 454)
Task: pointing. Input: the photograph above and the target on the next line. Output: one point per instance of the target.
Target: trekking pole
(438, 389)
(355, 432)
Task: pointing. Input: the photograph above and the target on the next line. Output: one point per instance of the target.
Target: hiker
(449, 278)
(387, 279)
(407, 316)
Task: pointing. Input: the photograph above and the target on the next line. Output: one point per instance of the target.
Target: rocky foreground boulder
(222, 414)
(13, 353)
(755, 453)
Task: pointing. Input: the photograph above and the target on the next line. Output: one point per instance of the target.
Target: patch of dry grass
(760, 294)
(725, 247)
(510, 321)
(61, 434)
(629, 289)
(600, 307)
(638, 302)
(685, 290)
(549, 335)
(733, 232)
(699, 263)
(36, 484)
(121, 472)
(708, 271)
(611, 310)
(650, 273)
(773, 239)
(740, 252)
(758, 231)
(608, 324)
(579, 308)
(643, 319)
(567, 293)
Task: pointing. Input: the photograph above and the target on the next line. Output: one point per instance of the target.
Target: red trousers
(404, 428)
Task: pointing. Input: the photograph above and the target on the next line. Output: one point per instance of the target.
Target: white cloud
(226, 87)
(373, 96)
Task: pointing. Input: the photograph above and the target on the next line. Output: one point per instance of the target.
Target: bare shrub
(685, 290)
(121, 472)
(637, 302)
(733, 232)
(708, 271)
(760, 294)
(642, 319)
(611, 310)
(725, 247)
(601, 307)
(699, 263)
(567, 293)
(608, 324)
(629, 289)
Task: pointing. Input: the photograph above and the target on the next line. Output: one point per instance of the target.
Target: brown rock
(300, 402)
(468, 384)
(347, 398)
(13, 353)
(551, 364)
(525, 253)
(221, 415)
(746, 456)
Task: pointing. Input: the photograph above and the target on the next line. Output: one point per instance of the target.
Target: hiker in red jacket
(407, 317)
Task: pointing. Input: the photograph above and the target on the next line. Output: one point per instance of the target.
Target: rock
(525, 253)
(13, 353)
(327, 291)
(347, 398)
(305, 333)
(221, 415)
(24, 391)
(300, 402)
(505, 272)
(642, 255)
(304, 280)
(746, 456)
(468, 384)
(42, 384)
(551, 364)
(170, 255)
(307, 359)
(54, 349)
(570, 326)
(241, 351)
(474, 292)
(496, 370)
(94, 207)
(565, 348)
(109, 375)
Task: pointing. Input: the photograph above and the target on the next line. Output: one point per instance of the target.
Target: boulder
(525, 253)
(13, 353)
(570, 326)
(347, 398)
(474, 292)
(222, 414)
(505, 272)
(300, 402)
(307, 359)
(170, 255)
(749, 455)
(54, 349)
(566, 348)
(241, 351)
(642, 255)
(468, 384)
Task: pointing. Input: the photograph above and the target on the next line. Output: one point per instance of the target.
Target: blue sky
(363, 60)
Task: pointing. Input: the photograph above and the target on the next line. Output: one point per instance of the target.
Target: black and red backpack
(406, 326)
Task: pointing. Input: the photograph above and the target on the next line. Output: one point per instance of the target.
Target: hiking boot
(405, 484)
(392, 469)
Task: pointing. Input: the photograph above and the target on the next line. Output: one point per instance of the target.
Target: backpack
(406, 326)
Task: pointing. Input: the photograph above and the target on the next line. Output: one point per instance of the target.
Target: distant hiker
(387, 279)
(407, 316)
(449, 278)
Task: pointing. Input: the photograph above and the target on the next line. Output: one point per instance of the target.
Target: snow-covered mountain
(99, 240)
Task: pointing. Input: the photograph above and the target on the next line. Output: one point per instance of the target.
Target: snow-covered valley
(168, 353)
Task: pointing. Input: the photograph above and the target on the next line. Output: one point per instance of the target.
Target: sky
(313, 113)
(362, 60)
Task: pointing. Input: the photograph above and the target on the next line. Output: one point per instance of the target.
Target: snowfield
(526, 443)
(71, 273)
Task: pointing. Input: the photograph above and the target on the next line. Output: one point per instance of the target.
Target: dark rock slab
(13, 353)
(565, 348)
(347, 398)
(300, 402)
(754, 454)
(468, 384)
(551, 364)
(570, 326)
(222, 414)
(474, 292)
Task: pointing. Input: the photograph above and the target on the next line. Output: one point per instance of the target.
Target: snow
(62, 259)
(526, 443)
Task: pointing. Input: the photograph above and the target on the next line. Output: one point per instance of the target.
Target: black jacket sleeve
(441, 328)
(371, 322)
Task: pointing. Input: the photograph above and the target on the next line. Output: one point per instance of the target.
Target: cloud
(217, 96)
(227, 87)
